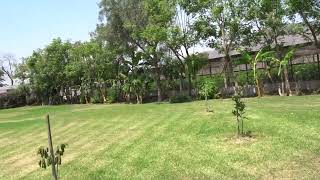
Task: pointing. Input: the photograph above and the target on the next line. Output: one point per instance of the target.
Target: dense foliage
(141, 50)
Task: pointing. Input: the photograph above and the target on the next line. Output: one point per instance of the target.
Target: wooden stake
(53, 166)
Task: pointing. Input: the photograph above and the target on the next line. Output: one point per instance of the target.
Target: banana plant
(285, 61)
(283, 71)
(261, 56)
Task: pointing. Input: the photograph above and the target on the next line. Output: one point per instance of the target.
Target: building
(305, 52)
(6, 89)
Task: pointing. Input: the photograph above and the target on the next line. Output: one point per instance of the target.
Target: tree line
(146, 47)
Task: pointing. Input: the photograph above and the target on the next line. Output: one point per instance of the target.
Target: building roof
(287, 40)
(4, 90)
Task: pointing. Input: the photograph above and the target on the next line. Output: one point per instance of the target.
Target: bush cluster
(12, 100)
(180, 98)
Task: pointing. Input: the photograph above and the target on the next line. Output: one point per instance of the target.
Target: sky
(26, 25)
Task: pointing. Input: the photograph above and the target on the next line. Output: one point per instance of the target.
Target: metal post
(54, 172)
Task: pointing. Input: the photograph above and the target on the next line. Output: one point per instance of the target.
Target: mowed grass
(167, 141)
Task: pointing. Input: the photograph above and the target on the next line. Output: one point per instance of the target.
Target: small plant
(46, 157)
(206, 88)
(238, 112)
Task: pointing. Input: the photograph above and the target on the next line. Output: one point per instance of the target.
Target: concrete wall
(250, 90)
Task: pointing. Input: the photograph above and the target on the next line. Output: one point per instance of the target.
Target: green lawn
(167, 141)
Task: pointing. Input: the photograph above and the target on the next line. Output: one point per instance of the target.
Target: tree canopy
(147, 48)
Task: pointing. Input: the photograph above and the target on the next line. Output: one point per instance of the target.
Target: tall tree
(8, 62)
(182, 37)
(308, 11)
(116, 37)
(145, 23)
(222, 23)
(1, 78)
(22, 71)
(47, 75)
(269, 21)
(89, 68)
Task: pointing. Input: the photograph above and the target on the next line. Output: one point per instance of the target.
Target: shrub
(216, 80)
(96, 98)
(12, 100)
(305, 72)
(112, 94)
(244, 78)
(206, 88)
(180, 98)
(82, 99)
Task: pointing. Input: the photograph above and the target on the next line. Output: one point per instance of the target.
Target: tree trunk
(68, 95)
(242, 126)
(159, 90)
(181, 83)
(298, 87)
(86, 98)
(137, 98)
(258, 87)
(287, 83)
(228, 72)
(141, 98)
(103, 94)
(189, 84)
(291, 72)
(318, 62)
(312, 30)
(127, 97)
(42, 101)
(50, 100)
(158, 81)
(238, 122)
(270, 77)
(7, 72)
(268, 70)
(225, 80)
(281, 86)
